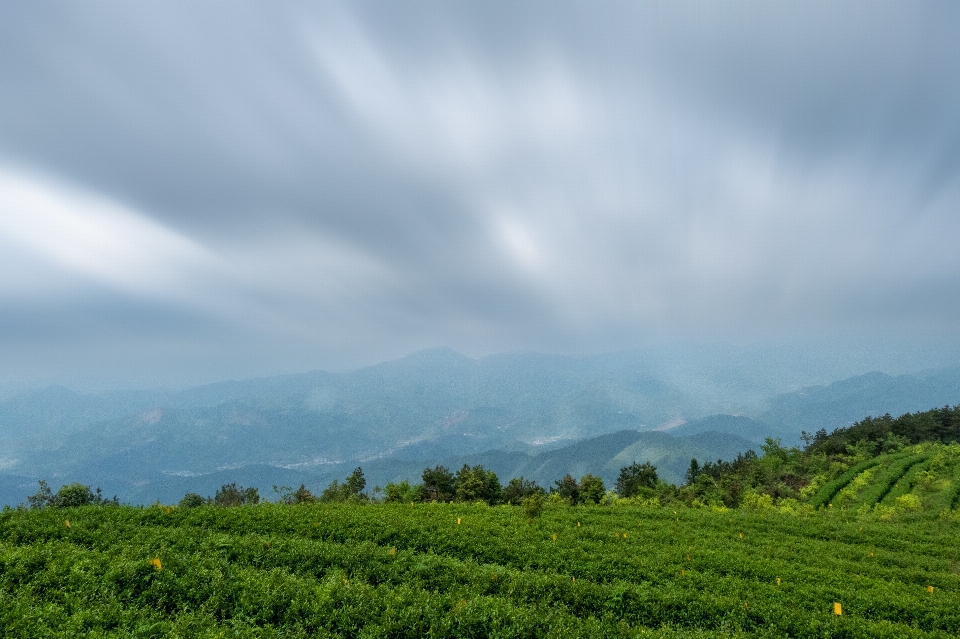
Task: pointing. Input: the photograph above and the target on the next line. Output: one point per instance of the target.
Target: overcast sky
(196, 190)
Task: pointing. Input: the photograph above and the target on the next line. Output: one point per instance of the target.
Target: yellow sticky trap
(458, 521)
(744, 605)
(554, 536)
(578, 524)
(830, 506)
(871, 554)
(778, 581)
(573, 579)
(929, 588)
(624, 535)
(688, 557)
(393, 551)
(155, 562)
(741, 535)
(837, 608)
(682, 572)
(617, 535)
(66, 523)
(169, 510)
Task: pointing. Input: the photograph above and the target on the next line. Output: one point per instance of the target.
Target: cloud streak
(327, 186)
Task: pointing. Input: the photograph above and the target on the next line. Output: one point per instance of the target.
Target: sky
(196, 191)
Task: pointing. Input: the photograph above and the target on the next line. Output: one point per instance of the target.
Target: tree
(635, 477)
(401, 493)
(592, 489)
(69, 496)
(476, 483)
(350, 490)
(518, 490)
(437, 484)
(568, 488)
(235, 495)
(299, 496)
(693, 472)
(192, 500)
(43, 497)
(356, 482)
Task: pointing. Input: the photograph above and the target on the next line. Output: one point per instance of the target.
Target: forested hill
(939, 425)
(884, 465)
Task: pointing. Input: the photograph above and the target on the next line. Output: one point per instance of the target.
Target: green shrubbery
(465, 570)
(69, 496)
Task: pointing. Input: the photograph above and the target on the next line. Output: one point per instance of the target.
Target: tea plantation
(857, 535)
(464, 570)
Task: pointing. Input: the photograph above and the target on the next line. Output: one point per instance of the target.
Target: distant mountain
(847, 401)
(518, 411)
(743, 427)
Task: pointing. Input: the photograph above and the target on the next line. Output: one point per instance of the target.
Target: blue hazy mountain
(746, 428)
(438, 406)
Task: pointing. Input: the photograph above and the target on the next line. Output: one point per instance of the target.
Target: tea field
(467, 570)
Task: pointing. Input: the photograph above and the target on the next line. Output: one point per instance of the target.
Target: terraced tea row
(465, 570)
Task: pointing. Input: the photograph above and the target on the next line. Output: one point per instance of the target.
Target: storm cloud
(208, 189)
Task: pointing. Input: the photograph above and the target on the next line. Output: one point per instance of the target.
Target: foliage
(567, 488)
(350, 490)
(437, 484)
(635, 478)
(230, 495)
(533, 505)
(476, 483)
(518, 490)
(69, 496)
(456, 570)
(886, 434)
(192, 500)
(402, 492)
(592, 489)
(299, 496)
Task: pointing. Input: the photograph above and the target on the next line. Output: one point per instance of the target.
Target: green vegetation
(765, 545)
(470, 570)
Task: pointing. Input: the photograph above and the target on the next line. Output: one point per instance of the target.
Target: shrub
(533, 505)
(192, 500)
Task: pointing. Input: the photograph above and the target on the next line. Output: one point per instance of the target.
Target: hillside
(463, 570)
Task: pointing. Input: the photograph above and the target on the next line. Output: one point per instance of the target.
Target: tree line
(477, 483)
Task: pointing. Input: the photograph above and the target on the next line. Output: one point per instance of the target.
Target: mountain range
(540, 416)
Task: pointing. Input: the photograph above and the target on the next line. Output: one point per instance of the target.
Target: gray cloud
(204, 190)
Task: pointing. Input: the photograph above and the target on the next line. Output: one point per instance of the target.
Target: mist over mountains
(540, 416)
